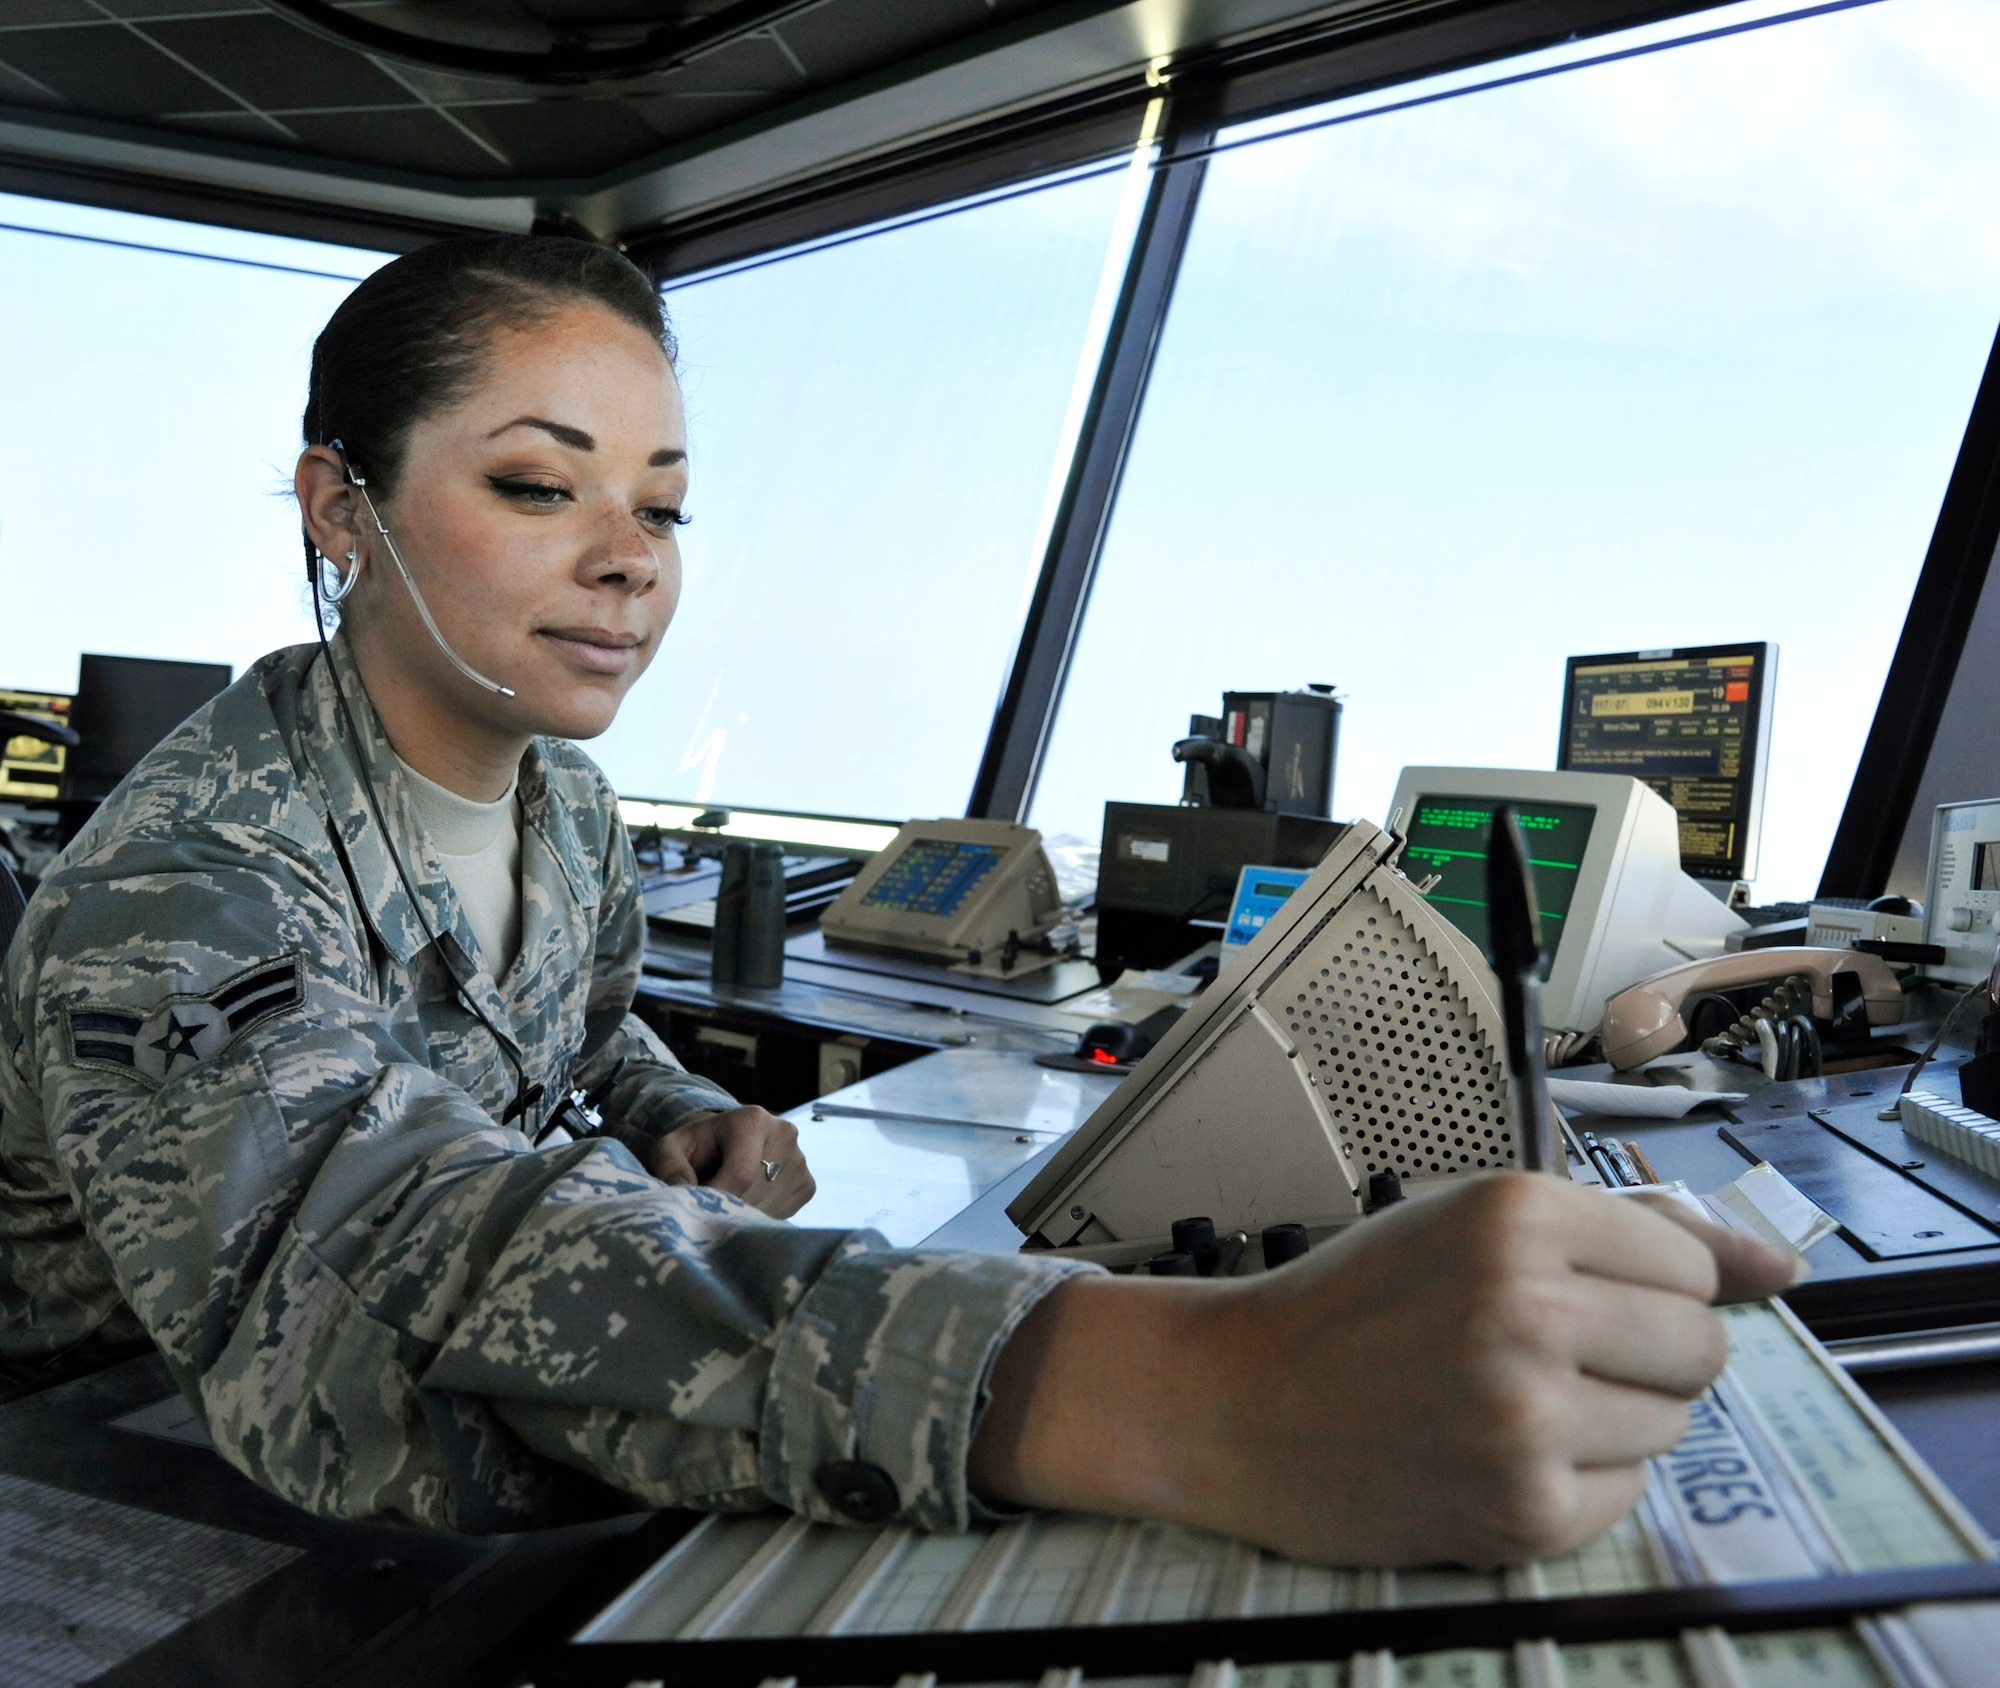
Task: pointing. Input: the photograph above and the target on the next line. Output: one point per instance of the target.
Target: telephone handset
(1645, 1022)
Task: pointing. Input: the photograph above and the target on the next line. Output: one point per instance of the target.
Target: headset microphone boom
(360, 485)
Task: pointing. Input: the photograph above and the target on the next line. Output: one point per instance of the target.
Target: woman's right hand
(1477, 1375)
(747, 1151)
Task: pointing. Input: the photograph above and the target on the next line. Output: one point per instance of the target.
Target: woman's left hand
(746, 1151)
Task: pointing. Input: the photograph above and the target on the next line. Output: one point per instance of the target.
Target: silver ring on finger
(771, 1172)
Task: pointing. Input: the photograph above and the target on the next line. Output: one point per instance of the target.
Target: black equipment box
(1167, 873)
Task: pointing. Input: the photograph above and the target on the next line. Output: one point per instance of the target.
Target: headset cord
(526, 1096)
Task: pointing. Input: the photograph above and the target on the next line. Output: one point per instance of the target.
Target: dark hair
(412, 339)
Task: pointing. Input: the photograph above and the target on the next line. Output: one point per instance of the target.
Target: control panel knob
(1176, 1263)
(1196, 1237)
(1282, 1243)
(1960, 919)
(1385, 1189)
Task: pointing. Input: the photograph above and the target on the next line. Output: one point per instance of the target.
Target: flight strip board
(1788, 1472)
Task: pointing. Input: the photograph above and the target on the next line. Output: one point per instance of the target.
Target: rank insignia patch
(184, 1031)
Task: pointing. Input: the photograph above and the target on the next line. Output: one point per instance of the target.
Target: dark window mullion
(1005, 785)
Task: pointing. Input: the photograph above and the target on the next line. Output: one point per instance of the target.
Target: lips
(594, 650)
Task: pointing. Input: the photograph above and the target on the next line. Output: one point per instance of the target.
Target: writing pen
(1514, 934)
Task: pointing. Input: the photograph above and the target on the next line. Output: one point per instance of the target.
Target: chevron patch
(184, 1031)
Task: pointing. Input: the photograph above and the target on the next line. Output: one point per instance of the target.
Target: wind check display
(1694, 724)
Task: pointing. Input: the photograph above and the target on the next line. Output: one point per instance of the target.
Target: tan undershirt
(480, 844)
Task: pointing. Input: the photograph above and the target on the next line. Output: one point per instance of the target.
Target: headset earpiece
(360, 484)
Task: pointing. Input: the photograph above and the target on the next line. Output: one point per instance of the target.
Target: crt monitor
(1605, 854)
(1695, 725)
(125, 705)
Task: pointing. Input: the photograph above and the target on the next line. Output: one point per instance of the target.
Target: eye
(534, 495)
(664, 516)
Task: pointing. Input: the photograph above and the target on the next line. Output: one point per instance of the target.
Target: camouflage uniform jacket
(243, 1109)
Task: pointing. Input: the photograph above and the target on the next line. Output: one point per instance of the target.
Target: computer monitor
(125, 705)
(30, 767)
(1695, 725)
(1605, 853)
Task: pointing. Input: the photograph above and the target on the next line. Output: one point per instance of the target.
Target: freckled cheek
(665, 598)
(492, 562)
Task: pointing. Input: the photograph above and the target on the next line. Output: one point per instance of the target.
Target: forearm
(1479, 1376)
(1101, 1401)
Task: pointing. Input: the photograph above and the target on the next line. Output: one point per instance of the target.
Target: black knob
(1385, 1189)
(1176, 1264)
(1197, 1237)
(1282, 1243)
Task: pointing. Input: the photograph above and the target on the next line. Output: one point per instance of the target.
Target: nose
(622, 555)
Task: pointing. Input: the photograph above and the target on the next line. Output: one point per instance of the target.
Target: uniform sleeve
(389, 1307)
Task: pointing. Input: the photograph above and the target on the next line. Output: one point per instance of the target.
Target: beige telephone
(1643, 1023)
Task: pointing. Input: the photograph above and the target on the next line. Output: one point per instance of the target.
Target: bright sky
(872, 430)
(1672, 351)
(147, 437)
(1675, 350)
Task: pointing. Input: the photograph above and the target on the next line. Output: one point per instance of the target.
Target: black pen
(1514, 933)
(1607, 1168)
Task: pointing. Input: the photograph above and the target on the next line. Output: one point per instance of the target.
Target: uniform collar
(556, 878)
(348, 762)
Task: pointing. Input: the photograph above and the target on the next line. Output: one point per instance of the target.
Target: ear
(329, 506)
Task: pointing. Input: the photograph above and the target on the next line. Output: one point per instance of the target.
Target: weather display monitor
(32, 767)
(1448, 837)
(934, 876)
(1693, 724)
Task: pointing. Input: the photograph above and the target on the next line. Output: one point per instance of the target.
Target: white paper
(1726, 1505)
(1635, 1101)
(1769, 1205)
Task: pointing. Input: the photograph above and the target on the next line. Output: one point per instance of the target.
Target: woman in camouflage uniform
(276, 1056)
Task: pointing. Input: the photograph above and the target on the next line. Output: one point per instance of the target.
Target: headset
(360, 484)
(526, 1095)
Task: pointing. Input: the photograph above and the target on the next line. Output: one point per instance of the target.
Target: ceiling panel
(276, 67)
(550, 138)
(107, 70)
(394, 138)
(30, 12)
(141, 10)
(193, 65)
(793, 117)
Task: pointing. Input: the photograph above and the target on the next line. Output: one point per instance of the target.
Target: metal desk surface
(908, 1002)
(1850, 1294)
(907, 1151)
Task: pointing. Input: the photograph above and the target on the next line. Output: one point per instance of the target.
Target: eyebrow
(561, 432)
(577, 440)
